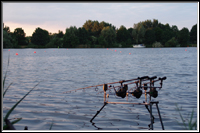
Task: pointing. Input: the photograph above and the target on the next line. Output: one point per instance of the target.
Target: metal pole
(151, 116)
(98, 112)
(160, 116)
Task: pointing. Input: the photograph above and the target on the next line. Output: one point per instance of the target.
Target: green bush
(172, 42)
(157, 45)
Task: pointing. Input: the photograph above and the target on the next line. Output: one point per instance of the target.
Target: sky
(55, 16)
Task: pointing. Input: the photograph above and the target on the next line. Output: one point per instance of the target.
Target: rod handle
(163, 78)
(144, 77)
(154, 77)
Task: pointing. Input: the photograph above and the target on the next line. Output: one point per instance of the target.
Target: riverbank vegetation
(94, 34)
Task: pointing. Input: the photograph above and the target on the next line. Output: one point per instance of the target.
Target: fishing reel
(121, 92)
(153, 92)
(137, 93)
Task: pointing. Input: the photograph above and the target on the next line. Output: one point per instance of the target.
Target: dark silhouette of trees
(95, 34)
(40, 37)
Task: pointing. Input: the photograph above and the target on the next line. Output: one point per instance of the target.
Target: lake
(61, 70)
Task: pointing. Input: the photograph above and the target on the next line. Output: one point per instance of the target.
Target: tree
(122, 35)
(102, 42)
(40, 37)
(88, 25)
(138, 33)
(109, 35)
(147, 24)
(55, 42)
(166, 36)
(155, 23)
(83, 35)
(183, 37)
(7, 29)
(70, 38)
(7, 40)
(158, 34)
(175, 30)
(95, 28)
(171, 43)
(193, 34)
(20, 36)
(60, 34)
(130, 37)
(150, 37)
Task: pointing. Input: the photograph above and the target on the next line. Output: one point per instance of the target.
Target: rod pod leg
(149, 111)
(160, 116)
(99, 111)
(151, 116)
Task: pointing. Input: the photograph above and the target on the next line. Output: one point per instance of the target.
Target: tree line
(103, 35)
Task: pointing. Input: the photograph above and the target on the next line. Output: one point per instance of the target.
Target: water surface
(60, 70)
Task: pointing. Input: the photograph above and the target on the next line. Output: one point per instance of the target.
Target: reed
(5, 119)
(51, 126)
(189, 124)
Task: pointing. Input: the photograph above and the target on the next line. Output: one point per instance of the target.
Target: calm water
(60, 70)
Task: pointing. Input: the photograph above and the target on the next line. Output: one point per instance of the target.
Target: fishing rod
(121, 92)
(101, 85)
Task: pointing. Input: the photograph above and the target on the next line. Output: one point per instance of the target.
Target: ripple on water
(61, 70)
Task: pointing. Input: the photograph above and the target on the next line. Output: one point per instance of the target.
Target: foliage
(60, 34)
(20, 36)
(122, 35)
(158, 34)
(7, 40)
(175, 30)
(172, 42)
(40, 37)
(97, 34)
(109, 36)
(166, 35)
(7, 29)
(138, 33)
(183, 37)
(70, 39)
(83, 35)
(157, 45)
(149, 37)
(102, 42)
(94, 28)
(55, 42)
(193, 34)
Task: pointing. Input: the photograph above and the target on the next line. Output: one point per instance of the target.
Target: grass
(188, 124)
(5, 126)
